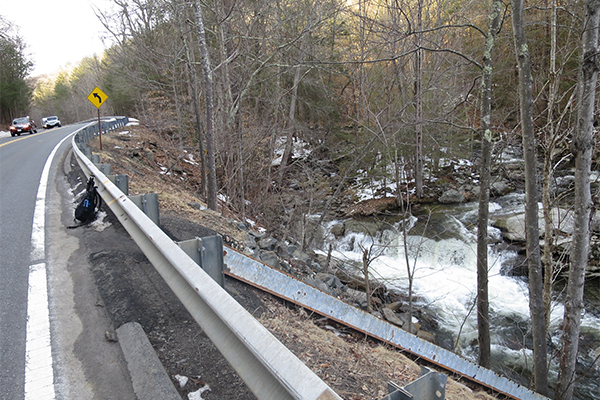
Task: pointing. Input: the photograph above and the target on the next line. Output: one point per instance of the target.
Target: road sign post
(97, 98)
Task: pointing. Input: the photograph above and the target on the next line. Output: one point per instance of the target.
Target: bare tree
(180, 13)
(556, 134)
(209, 105)
(419, 103)
(536, 299)
(583, 145)
(291, 134)
(547, 172)
(483, 322)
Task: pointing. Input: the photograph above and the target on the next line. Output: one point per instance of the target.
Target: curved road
(42, 341)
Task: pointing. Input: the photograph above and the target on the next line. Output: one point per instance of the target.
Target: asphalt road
(52, 331)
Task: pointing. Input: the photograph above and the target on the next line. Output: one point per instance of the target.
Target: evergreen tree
(15, 93)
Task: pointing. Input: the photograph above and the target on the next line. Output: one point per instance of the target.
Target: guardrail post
(87, 151)
(207, 252)
(106, 169)
(148, 203)
(95, 159)
(120, 181)
(430, 386)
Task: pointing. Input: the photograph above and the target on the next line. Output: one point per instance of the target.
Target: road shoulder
(87, 364)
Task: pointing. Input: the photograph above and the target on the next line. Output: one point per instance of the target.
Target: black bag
(88, 208)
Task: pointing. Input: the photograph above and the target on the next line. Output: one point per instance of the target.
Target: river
(441, 245)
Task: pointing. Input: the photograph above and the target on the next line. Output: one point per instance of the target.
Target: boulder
(355, 297)
(513, 226)
(250, 242)
(301, 258)
(451, 196)
(430, 337)
(257, 235)
(338, 230)
(283, 250)
(391, 316)
(331, 280)
(270, 258)
(395, 306)
(322, 286)
(268, 243)
(500, 188)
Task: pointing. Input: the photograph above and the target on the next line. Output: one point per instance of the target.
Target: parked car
(21, 125)
(50, 122)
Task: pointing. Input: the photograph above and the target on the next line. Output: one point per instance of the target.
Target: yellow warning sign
(97, 97)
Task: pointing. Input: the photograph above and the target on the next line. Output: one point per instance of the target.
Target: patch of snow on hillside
(301, 149)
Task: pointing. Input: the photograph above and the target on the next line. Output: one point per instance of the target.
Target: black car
(21, 125)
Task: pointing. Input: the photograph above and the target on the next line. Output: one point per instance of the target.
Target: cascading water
(442, 253)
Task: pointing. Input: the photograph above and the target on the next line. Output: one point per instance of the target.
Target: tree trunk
(419, 105)
(366, 259)
(532, 230)
(189, 64)
(583, 144)
(548, 172)
(209, 101)
(292, 124)
(483, 322)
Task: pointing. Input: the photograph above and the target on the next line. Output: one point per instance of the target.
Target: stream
(442, 249)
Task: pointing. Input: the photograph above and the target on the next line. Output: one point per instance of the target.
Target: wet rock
(452, 196)
(242, 226)
(257, 235)
(338, 230)
(323, 262)
(500, 188)
(513, 226)
(563, 183)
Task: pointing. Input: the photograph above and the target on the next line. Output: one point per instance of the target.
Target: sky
(56, 32)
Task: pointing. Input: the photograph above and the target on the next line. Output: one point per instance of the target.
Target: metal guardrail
(267, 367)
(258, 274)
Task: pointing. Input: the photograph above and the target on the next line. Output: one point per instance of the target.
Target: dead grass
(136, 155)
(355, 367)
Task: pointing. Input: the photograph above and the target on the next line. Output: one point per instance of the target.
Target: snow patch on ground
(183, 380)
(301, 149)
(99, 224)
(197, 395)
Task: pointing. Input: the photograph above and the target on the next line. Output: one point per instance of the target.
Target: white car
(50, 122)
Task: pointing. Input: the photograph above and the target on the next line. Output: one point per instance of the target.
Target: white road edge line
(39, 373)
